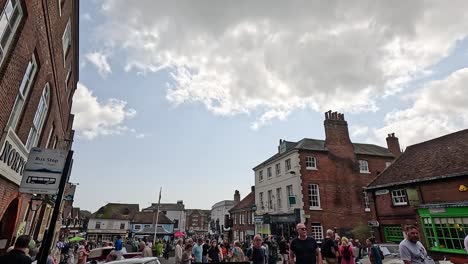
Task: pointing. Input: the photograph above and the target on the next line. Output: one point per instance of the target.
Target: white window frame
(366, 201)
(311, 163)
(39, 118)
(60, 6)
(49, 137)
(289, 192)
(98, 225)
(66, 41)
(278, 198)
(121, 226)
(278, 169)
(287, 165)
(260, 195)
(136, 227)
(23, 93)
(270, 199)
(269, 173)
(11, 6)
(399, 197)
(364, 166)
(316, 231)
(314, 196)
(260, 175)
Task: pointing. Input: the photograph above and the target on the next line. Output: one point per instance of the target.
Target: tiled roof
(442, 157)
(166, 207)
(116, 211)
(245, 203)
(319, 145)
(147, 218)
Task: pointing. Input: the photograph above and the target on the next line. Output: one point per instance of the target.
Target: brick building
(198, 221)
(38, 76)
(242, 218)
(319, 182)
(427, 187)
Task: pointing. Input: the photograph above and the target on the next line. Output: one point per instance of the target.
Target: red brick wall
(341, 189)
(199, 224)
(36, 31)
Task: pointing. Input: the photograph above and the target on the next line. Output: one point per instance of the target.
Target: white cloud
(439, 108)
(274, 57)
(94, 118)
(87, 17)
(359, 131)
(99, 60)
(140, 135)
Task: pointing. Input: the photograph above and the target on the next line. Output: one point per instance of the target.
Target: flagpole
(157, 218)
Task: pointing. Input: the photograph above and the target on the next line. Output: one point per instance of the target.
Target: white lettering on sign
(13, 156)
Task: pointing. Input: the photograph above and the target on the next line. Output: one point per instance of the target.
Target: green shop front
(445, 227)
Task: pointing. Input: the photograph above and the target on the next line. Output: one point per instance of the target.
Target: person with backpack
(272, 250)
(256, 253)
(375, 255)
(329, 248)
(346, 252)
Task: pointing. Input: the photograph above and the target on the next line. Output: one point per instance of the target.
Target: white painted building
(218, 213)
(278, 192)
(175, 212)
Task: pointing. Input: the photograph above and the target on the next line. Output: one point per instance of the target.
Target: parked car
(147, 260)
(391, 254)
(99, 255)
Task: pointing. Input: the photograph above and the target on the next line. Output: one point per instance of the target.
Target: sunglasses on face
(302, 228)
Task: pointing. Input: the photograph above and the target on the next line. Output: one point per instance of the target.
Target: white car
(146, 260)
(391, 254)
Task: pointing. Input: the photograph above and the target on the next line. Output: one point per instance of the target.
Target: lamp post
(34, 205)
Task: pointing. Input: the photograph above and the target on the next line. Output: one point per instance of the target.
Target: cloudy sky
(191, 95)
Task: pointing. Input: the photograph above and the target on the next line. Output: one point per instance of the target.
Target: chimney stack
(253, 188)
(337, 139)
(393, 145)
(236, 197)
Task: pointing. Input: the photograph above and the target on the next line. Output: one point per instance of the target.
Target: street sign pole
(47, 243)
(157, 218)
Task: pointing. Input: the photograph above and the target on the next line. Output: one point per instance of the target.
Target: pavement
(172, 261)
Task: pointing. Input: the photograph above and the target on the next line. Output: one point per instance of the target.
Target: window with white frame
(66, 40)
(290, 193)
(23, 92)
(363, 166)
(241, 218)
(278, 198)
(287, 165)
(311, 162)
(269, 174)
(39, 118)
(235, 219)
(270, 199)
(399, 197)
(98, 225)
(278, 169)
(137, 227)
(260, 195)
(9, 20)
(60, 6)
(49, 137)
(314, 196)
(260, 176)
(366, 201)
(122, 225)
(317, 231)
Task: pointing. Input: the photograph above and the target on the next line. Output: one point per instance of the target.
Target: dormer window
(282, 146)
(363, 166)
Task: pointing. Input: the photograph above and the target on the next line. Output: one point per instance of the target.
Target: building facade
(111, 220)
(198, 221)
(38, 77)
(142, 224)
(175, 212)
(242, 218)
(219, 218)
(319, 182)
(426, 187)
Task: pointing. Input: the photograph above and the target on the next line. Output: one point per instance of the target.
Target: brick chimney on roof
(337, 139)
(393, 145)
(236, 197)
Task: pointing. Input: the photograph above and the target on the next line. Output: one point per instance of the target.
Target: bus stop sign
(43, 171)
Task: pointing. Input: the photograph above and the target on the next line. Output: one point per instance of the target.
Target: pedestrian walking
(237, 253)
(329, 248)
(284, 250)
(256, 253)
(346, 251)
(187, 257)
(411, 250)
(18, 254)
(304, 249)
(179, 251)
(82, 253)
(214, 253)
(145, 250)
(206, 247)
(272, 250)
(373, 251)
(197, 251)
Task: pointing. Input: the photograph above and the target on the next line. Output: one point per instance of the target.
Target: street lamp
(35, 203)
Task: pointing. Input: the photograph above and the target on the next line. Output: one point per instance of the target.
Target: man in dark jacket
(18, 254)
